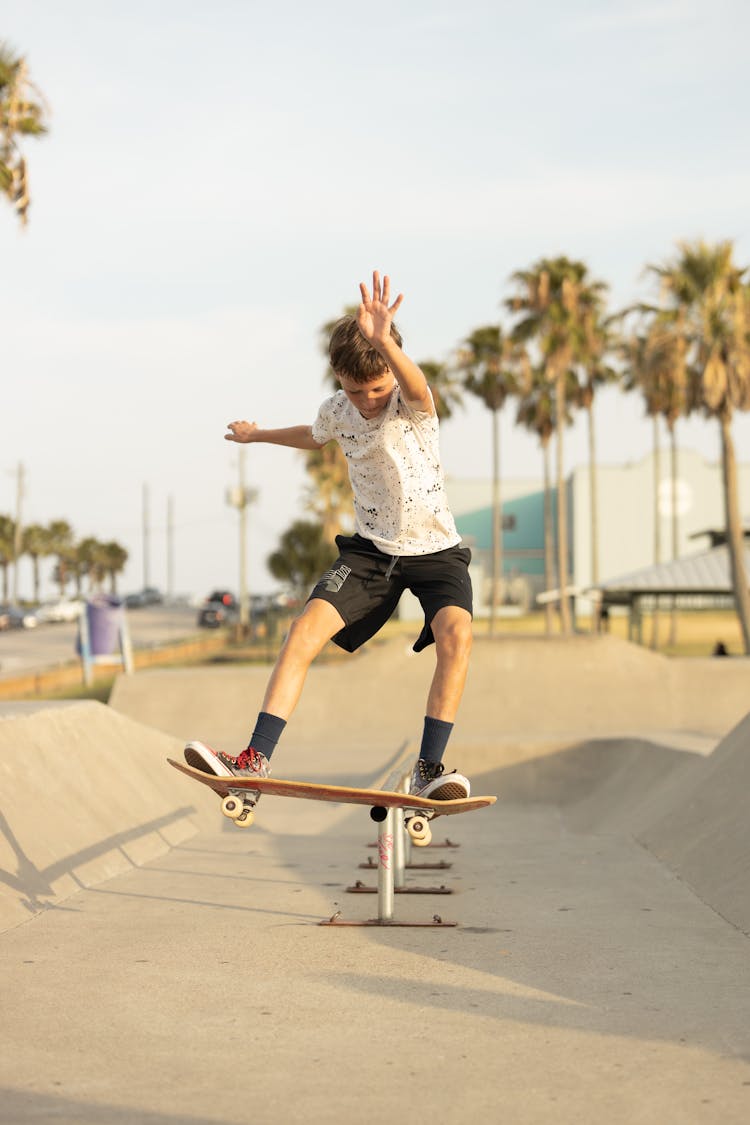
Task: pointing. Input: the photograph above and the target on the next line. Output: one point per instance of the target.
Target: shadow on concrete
(35, 884)
(21, 1105)
(247, 909)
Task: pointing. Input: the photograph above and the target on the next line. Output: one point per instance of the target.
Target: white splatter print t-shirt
(397, 479)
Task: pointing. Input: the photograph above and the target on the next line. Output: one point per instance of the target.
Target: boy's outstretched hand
(241, 431)
(374, 315)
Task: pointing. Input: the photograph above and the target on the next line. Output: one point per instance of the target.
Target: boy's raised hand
(241, 431)
(375, 314)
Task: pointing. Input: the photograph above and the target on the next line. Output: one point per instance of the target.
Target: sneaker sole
(201, 758)
(450, 791)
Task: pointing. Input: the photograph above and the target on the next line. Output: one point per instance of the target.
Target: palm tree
(302, 556)
(656, 364)
(446, 390)
(330, 495)
(491, 366)
(113, 559)
(21, 114)
(552, 301)
(635, 352)
(599, 342)
(61, 545)
(7, 549)
(37, 545)
(92, 561)
(708, 299)
(536, 412)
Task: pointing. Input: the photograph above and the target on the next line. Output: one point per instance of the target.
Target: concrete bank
(84, 796)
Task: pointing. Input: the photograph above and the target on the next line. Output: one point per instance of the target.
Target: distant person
(384, 420)
(720, 649)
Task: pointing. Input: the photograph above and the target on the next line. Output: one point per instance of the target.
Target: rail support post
(385, 868)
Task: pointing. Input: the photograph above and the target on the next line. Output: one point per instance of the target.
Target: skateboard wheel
(378, 813)
(231, 807)
(419, 831)
(245, 819)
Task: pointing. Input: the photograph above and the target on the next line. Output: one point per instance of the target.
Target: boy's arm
(374, 318)
(295, 437)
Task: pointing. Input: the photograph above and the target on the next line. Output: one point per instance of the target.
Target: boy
(384, 419)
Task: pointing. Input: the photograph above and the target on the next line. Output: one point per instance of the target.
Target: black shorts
(364, 586)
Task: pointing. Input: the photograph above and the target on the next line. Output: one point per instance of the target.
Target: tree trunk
(35, 571)
(562, 510)
(657, 532)
(735, 540)
(497, 522)
(549, 565)
(593, 498)
(675, 523)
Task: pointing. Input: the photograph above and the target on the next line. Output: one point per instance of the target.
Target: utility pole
(145, 537)
(170, 547)
(18, 530)
(241, 497)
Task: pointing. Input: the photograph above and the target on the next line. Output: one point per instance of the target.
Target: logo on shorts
(335, 579)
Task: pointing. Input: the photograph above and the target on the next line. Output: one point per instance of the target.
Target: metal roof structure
(707, 574)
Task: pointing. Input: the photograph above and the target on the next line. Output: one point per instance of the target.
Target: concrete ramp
(689, 809)
(85, 794)
(702, 830)
(600, 784)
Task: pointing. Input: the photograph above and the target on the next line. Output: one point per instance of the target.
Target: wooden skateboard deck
(229, 787)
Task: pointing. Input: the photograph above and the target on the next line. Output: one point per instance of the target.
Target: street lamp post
(241, 497)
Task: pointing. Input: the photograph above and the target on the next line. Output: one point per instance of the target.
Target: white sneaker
(250, 763)
(429, 780)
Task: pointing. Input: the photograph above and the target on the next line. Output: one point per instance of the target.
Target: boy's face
(370, 398)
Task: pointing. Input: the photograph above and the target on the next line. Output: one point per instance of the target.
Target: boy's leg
(451, 628)
(318, 622)
(308, 633)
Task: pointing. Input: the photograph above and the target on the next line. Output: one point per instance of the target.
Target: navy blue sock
(434, 739)
(267, 733)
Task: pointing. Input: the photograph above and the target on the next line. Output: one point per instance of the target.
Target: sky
(219, 177)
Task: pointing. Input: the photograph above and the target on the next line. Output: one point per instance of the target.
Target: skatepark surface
(162, 966)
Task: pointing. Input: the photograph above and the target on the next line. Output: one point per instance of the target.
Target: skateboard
(238, 804)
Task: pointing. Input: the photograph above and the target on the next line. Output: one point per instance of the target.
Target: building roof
(718, 536)
(707, 574)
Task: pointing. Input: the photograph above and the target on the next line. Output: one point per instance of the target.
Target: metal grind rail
(393, 849)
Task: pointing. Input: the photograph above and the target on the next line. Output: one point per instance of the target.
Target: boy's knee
(308, 634)
(301, 632)
(453, 637)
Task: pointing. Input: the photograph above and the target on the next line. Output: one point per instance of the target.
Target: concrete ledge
(85, 794)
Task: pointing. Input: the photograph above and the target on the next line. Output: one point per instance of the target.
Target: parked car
(63, 610)
(220, 608)
(149, 595)
(15, 617)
